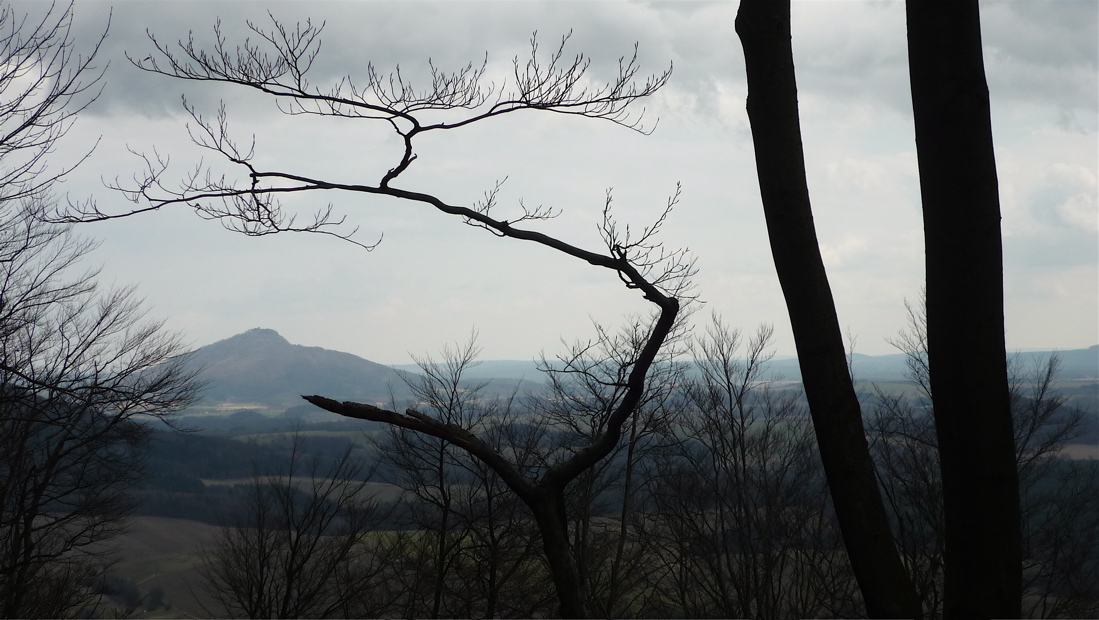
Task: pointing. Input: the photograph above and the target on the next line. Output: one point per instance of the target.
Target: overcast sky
(433, 279)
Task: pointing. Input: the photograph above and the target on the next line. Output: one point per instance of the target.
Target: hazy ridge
(259, 369)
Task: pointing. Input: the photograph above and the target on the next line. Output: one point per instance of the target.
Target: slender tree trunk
(614, 588)
(549, 513)
(441, 551)
(965, 317)
(496, 554)
(764, 30)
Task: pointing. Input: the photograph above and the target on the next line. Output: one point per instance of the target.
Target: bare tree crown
(44, 84)
(277, 62)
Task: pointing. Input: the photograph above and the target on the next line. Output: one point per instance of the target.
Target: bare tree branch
(277, 62)
(44, 84)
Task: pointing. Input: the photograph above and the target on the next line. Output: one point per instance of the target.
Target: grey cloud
(1053, 33)
(1045, 250)
(407, 34)
(853, 52)
(851, 61)
(1063, 211)
(1045, 53)
(1036, 52)
(128, 90)
(1065, 198)
(1039, 52)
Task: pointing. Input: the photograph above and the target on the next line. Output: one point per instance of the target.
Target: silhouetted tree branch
(472, 550)
(277, 64)
(44, 84)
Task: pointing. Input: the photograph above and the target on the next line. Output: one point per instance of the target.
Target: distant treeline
(231, 448)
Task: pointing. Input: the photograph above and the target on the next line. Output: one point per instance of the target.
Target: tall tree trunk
(764, 30)
(965, 318)
(548, 506)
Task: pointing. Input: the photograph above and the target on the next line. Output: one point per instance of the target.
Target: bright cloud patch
(1066, 197)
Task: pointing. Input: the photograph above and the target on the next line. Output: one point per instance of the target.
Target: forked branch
(277, 63)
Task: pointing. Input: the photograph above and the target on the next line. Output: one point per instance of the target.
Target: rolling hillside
(259, 369)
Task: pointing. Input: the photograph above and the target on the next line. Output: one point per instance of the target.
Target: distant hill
(524, 370)
(1076, 364)
(867, 368)
(260, 367)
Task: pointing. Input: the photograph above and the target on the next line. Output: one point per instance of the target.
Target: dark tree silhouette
(738, 514)
(472, 549)
(1054, 508)
(583, 390)
(81, 372)
(277, 62)
(965, 327)
(966, 356)
(764, 30)
(81, 376)
(298, 537)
